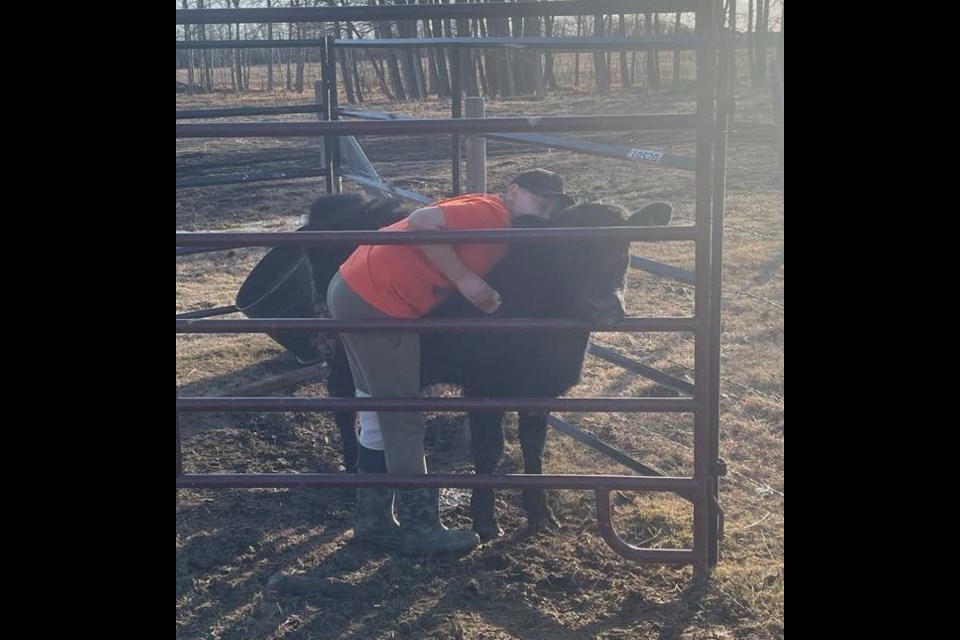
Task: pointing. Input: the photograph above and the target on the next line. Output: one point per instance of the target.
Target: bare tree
(576, 55)
(760, 47)
(448, 54)
(298, 85)
(468, 66)
(778, 90)
(206, 60)
(440, 61)
(600, 66)
(676, 52)
(341, 57)
(548, 57)
(384, 30)
(751, 58)
(780, 43)
(653, 56)
(624, 70)
(186, 36)
(377, 64)
(237, 69)
(439, 81)
(289, 79)
(352, 60)
(409, 59)
(269, 53)
(533, 71)
(499, 74)
(477, 64)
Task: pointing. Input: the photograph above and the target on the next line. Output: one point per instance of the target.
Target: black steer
(577, 279)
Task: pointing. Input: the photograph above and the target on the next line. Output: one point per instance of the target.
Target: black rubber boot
(422, 533)
(375, 521)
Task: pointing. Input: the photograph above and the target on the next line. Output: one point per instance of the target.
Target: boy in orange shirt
(407, 281)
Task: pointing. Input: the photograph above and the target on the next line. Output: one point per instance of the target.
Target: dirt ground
(282, 563)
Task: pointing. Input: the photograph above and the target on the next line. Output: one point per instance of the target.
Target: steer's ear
(656, 214)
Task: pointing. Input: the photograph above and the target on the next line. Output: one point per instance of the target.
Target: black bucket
(279, 287)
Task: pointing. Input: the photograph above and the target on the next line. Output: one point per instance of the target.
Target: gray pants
(384, 365)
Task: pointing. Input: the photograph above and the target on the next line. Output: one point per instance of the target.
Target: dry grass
(237, 549)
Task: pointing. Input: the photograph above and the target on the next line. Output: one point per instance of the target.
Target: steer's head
(593, 272)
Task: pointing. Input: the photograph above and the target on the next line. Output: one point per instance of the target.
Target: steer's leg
(486, 442)
(533, 437)
(340, 385)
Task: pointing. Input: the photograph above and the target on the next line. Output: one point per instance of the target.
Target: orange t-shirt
(402, 282)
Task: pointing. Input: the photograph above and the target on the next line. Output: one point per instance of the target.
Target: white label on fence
(643, 154)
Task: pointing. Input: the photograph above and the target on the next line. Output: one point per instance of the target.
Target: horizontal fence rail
(591, 405)
(433, 325)
(466, 126)
(476, 236)
(556, 45)
(433, 11)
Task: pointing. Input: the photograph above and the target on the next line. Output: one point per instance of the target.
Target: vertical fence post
(456, 108)
(179, 453)
(318, 93)
(476, 150)
(328, 74)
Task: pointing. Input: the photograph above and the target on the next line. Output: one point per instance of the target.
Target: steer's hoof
(542, 524)
(487, 530)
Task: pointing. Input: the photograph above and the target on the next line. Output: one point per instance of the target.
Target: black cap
(546, 184)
